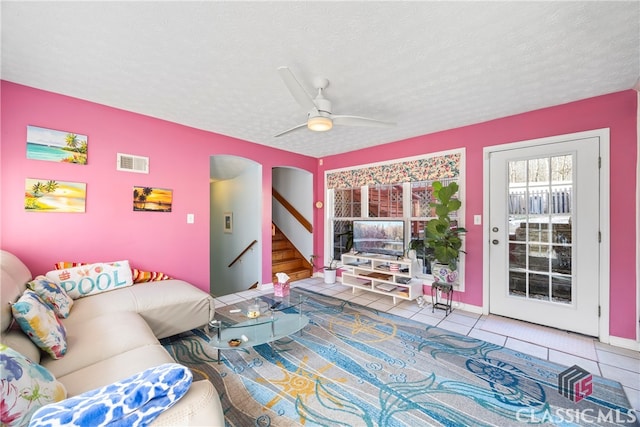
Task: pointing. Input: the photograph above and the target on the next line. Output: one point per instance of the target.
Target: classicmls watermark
(579, 416)
(576, 384)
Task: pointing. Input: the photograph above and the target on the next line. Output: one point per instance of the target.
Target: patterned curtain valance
(428, 169)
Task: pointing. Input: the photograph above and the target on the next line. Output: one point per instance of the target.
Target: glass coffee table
(261, 320)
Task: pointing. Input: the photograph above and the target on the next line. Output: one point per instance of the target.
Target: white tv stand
(377, 273)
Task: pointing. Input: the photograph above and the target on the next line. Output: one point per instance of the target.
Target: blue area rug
(354, 366)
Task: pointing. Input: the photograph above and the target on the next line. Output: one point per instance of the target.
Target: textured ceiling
(428, 66)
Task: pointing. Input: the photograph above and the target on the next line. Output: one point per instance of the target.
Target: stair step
(286, 264)
(298, 274)
(282, 254)
(286, 259)
(280, 244)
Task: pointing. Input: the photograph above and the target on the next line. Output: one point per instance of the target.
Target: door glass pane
(538, 286)
(561, 289)
(517, 284)
(540, 232)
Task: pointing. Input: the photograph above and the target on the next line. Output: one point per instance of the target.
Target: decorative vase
(443, 274)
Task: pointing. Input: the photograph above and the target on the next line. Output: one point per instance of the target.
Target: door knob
(494, 229)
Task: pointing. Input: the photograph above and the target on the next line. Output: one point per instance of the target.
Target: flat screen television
(385, 237)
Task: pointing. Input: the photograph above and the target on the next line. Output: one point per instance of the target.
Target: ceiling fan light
(319, 124)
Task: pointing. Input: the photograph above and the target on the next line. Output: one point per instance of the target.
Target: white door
(544, 234)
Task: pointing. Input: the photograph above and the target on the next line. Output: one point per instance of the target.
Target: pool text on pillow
(93, 278)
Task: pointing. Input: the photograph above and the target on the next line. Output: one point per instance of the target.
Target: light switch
(190, 218)
(477, 219)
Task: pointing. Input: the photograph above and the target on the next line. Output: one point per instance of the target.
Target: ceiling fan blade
(296, 89)
(360, 121)
(290, 130)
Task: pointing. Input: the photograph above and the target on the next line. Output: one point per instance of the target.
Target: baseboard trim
(624, 343)
(265, 286)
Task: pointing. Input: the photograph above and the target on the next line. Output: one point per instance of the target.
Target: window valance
(425, 169)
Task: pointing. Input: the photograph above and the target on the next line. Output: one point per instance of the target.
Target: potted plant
(443, 237)
(330, 272)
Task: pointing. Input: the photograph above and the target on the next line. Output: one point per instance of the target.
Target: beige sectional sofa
(113, 335)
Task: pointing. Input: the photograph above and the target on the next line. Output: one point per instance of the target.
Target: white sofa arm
(199, 407)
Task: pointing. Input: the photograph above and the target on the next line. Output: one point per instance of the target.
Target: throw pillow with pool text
(91, 279)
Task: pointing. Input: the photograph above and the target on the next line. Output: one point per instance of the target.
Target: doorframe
(605, 248)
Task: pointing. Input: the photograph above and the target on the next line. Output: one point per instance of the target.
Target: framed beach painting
(152, 199)
(48, 195)
(56, 146)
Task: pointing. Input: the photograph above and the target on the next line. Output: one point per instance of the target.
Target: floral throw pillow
(53, 294)
(26, 386)
(41, 324)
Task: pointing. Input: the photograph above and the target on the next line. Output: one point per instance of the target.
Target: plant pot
(329, 276)
(443, 274)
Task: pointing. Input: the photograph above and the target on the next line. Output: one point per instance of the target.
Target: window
(346, 203)
(385, 201)
(401, 190)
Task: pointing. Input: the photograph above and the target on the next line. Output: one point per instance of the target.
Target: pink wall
(110, 230)
(179, 159)
(616, 111)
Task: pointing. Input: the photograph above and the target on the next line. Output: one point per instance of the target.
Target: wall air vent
(130, 163)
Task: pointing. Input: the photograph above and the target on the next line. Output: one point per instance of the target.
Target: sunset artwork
(152, 199)
(47, 195)
(56, 146)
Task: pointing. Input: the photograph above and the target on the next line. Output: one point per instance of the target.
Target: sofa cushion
(53, 294)
(20, 342)
(100, 338)
(114, 368)
(172, 306)
(14, 276)
(169, 307)
(26, 386)
(40, 324)
(101, 304)
(201, 406)
(133, 401)
(93, 279)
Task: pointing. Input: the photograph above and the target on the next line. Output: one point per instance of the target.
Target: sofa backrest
(14, 276)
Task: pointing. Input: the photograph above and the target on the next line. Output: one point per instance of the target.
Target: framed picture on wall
(228, 222)
(152, 199)
(56, 145)
(48, 195)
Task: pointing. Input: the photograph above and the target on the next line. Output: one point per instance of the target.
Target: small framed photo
(228, 222)
(152, 199)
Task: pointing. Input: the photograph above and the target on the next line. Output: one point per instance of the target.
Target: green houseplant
(443, 237)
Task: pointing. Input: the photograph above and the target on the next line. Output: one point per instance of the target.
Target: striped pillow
(139, 276)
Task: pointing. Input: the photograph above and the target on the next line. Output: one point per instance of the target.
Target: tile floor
(561, 347)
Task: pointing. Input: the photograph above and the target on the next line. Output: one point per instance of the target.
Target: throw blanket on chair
(134, 401)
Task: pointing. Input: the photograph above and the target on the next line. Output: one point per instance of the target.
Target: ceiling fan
(319, 116)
